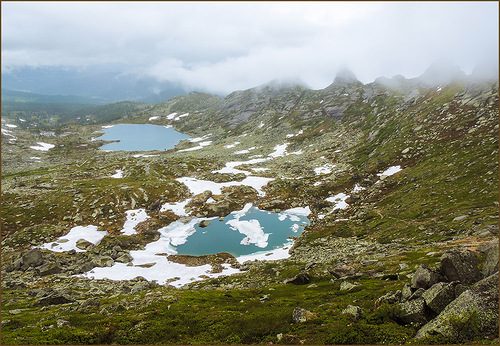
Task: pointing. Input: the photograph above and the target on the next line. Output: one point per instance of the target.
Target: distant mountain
(102, 82)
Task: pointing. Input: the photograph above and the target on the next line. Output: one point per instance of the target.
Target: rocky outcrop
(413, 312)
(439, 295)
(460, 265)
(473, 314)
(424, 277)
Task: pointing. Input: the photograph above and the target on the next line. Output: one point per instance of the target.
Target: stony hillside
(400, 176)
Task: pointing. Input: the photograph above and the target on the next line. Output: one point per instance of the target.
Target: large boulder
(474, 314)
(424, 277)
(439, 295)
(32, 258)
(54, 298)
(412, 312)
(460, 265)
(49, 268)
(490, 263)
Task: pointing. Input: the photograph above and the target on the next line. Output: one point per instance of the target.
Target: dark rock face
(424, 277)
(473, 314)
(54, 298)
(413, 311)
(299, 279)
(439, 295)
(460, 265)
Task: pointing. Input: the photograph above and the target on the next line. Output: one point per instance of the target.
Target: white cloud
(221, 47)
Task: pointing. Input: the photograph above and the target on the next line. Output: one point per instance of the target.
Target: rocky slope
(400, 175)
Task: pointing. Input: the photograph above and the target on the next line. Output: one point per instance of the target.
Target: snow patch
(325, 169)
(279, 150)
(42, 146)
(339, 200)
(154, 118)
(390, 171)
(118, 174)
(133, 218)
(68, 242)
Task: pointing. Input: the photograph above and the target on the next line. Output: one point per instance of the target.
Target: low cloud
(222, 47)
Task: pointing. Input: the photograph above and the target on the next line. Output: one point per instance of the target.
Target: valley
(280, 214)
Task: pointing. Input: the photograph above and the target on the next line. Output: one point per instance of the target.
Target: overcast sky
(221, 47)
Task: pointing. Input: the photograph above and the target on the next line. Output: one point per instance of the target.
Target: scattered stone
(391, 297)
(299, 279)
(460, 218)
(347, 286)
(83, 244)
(204, 223)
(103, 261)
(354, 311)
(300, 315)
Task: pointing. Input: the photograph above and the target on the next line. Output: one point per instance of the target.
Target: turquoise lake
(141, 137)
(218, 236)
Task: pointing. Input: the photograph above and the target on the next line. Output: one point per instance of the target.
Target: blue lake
(219, 236)
(141, 137)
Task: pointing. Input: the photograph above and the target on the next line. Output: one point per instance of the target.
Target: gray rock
(460, 218)
(474, 314)
(406, 292)
(490, 262)
(299, 279)
(83, 244)
(48, 269)
(347, 286)
(460, 265)
(424, 277)
(391, 297)
(412, 312)
(32, 258)
(300, 315)
(124, 258)
(103, 261)
(439, 296)
(417, 294)
(204, 223)
(54, 298)
(354, 311)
